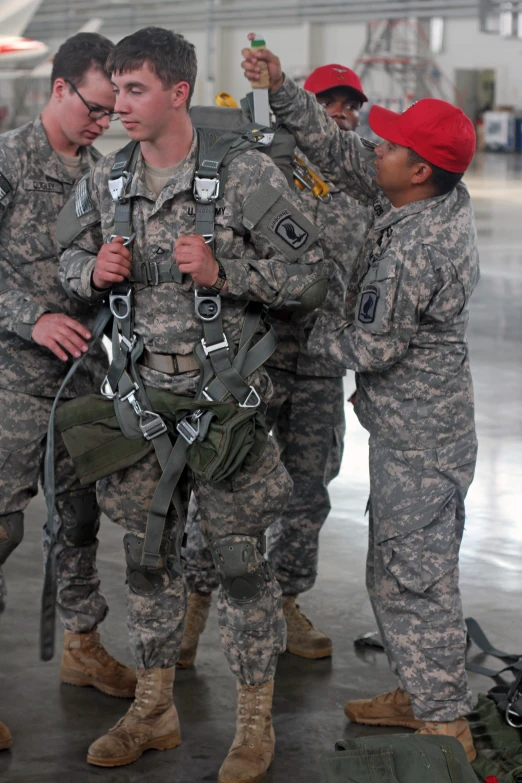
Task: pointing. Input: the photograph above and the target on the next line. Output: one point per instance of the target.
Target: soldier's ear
(180, 94)
(421, 173)
(59, 89)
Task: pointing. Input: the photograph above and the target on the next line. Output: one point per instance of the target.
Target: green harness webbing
(54, 524)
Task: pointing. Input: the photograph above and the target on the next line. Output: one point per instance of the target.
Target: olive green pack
(235, 439)
(398, 758)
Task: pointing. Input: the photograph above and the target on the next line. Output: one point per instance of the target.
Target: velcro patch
(368, 305)
(5, 187)
(82, 201)
(43, 186)
(284, 225)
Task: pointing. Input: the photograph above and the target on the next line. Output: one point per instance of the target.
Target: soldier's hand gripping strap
(48, 612)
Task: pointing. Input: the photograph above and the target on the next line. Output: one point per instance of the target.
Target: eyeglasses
(93, 112)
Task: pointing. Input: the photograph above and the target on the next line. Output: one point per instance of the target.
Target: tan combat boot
(85, 661)
(6, 739)
(252, 751)
(388, 709)
(302, 638)
(458, 728)
(151, 723)
(198, 607)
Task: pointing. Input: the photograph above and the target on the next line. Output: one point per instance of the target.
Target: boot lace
(249, 714)
(141, 700)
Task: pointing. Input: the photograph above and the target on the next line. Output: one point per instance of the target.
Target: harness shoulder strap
(120, 175)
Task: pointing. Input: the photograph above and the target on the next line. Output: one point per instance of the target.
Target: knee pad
(147, 581)
(80, 517)
(11, 533)
(242, 569)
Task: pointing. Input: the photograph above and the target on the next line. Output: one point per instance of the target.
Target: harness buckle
(206, 189)
(129, 344)
(208, 349)
(128, 240)
(187, 431)
(117, 186)
(109, 395)
(208, 307)
(154, 427)
(125, 300)
(150, 267)
(247, 403)
(132, 400)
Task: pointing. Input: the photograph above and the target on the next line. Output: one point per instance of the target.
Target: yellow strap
(226, 100)
(318, 187)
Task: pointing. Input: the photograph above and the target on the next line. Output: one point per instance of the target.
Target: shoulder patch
(286, 227)
(368, 305)
(82, 199)
(5, 187)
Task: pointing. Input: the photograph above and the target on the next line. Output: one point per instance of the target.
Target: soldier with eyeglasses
(41, 332)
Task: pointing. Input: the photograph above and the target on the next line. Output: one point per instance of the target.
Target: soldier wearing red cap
(305, 414)
(404, 333)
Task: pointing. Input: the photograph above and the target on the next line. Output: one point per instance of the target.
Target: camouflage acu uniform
(34, 186)
(404, 334)
(256, 261)
(306, 415)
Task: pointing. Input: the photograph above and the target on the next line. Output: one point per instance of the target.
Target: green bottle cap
(257, 42)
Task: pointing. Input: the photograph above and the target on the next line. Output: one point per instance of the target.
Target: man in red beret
(404, 333)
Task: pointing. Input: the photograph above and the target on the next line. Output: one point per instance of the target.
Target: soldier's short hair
(442, 180)
(79, 54)
(170, 56)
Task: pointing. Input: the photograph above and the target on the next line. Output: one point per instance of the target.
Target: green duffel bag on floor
(398, 758)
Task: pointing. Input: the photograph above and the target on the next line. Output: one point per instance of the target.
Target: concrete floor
(53, 724)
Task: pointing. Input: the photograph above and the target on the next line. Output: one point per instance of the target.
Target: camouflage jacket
(343, 223)
(404, 332)
(34, 186)
(261, 262)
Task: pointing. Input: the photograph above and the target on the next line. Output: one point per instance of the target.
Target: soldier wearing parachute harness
(39, 328)
(185, 230)
(306, 411)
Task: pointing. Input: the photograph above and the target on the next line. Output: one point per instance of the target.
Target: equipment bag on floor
(398, 758)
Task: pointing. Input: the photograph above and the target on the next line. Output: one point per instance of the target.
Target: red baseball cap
(436, 130)
(328, 76)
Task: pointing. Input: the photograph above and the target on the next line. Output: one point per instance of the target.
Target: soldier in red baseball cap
(339, 91)
(404, 334)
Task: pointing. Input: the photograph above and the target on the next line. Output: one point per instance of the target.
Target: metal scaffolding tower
(397, 65)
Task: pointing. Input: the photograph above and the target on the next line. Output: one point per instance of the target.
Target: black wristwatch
(221, 280)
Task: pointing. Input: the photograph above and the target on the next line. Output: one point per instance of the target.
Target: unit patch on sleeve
(83, 203)
(369, 300)
(5, 187)
(286, 227)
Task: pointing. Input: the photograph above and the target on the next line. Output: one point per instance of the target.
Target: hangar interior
(470, 53)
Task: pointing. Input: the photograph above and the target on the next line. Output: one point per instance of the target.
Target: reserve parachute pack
(223, 428)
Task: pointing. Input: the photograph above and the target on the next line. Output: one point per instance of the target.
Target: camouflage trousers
(253, 632)
(306, 415)
(416, 528)
(23, 433)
